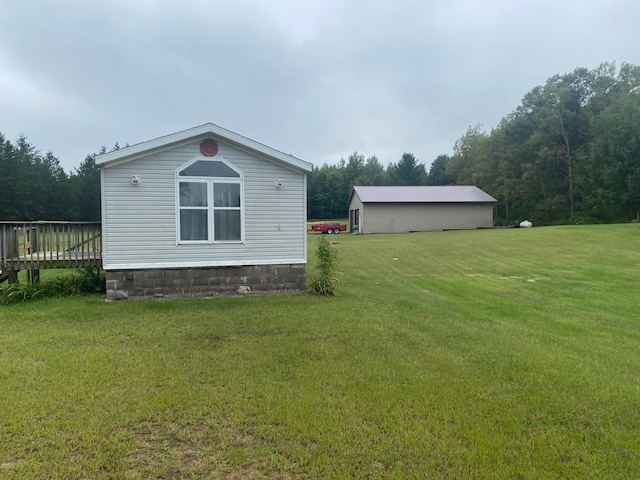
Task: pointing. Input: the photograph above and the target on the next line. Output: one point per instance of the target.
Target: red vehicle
(328, 228)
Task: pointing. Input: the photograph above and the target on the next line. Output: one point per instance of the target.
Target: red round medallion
(208, 147)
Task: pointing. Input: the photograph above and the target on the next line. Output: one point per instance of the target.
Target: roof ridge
(166, 141)
(421, 194)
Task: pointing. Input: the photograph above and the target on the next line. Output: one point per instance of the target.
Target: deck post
(33, 276)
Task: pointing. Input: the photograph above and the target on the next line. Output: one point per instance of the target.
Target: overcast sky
(318, 79)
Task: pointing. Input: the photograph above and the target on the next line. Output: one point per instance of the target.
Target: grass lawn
(509, 353)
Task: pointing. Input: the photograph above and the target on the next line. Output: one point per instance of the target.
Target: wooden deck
(33, 246)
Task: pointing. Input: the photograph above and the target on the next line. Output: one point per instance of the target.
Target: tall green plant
(323, 280)
(78, 282)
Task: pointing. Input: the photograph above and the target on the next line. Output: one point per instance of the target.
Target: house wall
(139, 221)
(397, 218)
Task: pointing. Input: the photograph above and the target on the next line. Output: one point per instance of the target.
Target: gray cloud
(317, 79)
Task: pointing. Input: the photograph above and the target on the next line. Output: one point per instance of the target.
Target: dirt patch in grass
(509, 277)
(9, 464)
(164, 451)
(172, 451)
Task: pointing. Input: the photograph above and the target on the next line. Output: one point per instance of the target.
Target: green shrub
(323, 281)
(19, 292)
(78, 282)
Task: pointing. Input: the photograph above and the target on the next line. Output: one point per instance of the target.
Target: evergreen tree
(407, 171)
(438, 172)
(86, 183)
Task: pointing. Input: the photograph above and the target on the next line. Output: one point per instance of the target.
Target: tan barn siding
(398, 218)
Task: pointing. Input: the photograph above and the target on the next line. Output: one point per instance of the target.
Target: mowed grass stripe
(483, 354)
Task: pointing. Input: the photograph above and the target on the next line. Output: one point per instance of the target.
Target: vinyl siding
(140, 220)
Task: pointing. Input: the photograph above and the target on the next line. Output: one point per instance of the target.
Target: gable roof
(415, 194)
(203, 131)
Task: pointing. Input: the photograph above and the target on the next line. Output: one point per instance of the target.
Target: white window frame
(211, 208)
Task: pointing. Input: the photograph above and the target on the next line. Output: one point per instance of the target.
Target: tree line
(34, 186)
(569, 153)
(329, 186)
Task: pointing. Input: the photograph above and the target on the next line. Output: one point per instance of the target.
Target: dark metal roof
(448, 194)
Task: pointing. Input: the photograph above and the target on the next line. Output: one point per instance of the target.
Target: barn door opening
(354, 221)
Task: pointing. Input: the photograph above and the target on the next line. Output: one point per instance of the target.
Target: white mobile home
(201, 211)
(419, 209)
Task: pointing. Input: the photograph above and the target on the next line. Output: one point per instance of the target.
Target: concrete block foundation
(206, 280)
